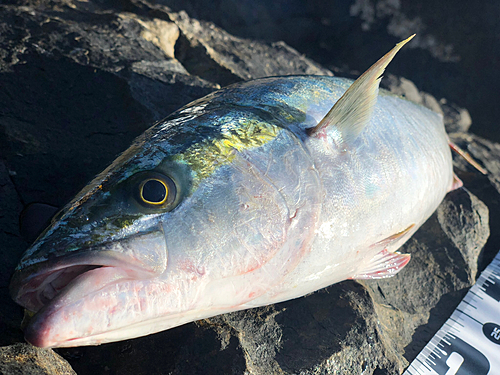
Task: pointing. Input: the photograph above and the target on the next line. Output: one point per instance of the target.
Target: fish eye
(155, 190)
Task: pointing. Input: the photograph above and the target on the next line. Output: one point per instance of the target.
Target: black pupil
(154, 191)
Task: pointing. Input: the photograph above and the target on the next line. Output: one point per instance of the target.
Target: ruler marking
(426, 366)
(477, 295)
(470, 317)
(468, 303)
(423, 364)
(457, 345)
(456, 322)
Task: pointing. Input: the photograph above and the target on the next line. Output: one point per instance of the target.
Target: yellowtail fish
(257, 193)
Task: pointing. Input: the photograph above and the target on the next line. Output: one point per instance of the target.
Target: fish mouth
(35, 286)
(51, 285)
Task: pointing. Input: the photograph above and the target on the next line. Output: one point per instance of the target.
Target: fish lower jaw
(46, 337)
(84, 286)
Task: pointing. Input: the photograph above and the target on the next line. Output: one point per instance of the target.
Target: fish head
(178, 228)
(110, 233)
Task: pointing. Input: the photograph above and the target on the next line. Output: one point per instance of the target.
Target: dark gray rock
(207, 51)
(11, 205)
(81, 79)
(24, 359)
(485, 187)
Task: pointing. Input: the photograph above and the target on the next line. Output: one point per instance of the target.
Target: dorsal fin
(352, 112)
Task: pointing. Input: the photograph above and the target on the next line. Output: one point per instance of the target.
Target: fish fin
(352, 112)
(395, 237)
(384, 264)
(457, 183)
(467, 158)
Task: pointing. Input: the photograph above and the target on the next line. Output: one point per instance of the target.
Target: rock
(209, 52)
(485, 187)
(456, 119)
(81, 79)
(25, 359)
(403, 87)
(11, 205)
(334, 330)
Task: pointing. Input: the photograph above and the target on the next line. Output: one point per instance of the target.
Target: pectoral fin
(352, 112)
(395, 237)
(385, 264)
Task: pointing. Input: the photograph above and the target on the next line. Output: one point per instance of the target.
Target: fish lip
(52, 285)
(29, 288)
(29, 280)
(38, 332)
(29, 283)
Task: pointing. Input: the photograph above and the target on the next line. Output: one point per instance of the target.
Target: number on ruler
(454, 362)
(492, 332)
(454, 356)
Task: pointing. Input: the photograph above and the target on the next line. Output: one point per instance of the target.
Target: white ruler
(469, 342)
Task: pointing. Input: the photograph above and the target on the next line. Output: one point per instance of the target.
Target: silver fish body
(256, 211)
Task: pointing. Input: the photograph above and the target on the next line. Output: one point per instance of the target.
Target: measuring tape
(469, 341)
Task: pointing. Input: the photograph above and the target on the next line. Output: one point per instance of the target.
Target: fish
(258, 193)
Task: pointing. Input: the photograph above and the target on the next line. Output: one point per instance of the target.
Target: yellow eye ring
(153, 191)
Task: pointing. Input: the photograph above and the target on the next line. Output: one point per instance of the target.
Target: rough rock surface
(80, 79)
(24, 359)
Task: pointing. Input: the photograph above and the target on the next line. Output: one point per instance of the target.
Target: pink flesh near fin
(383, 265)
